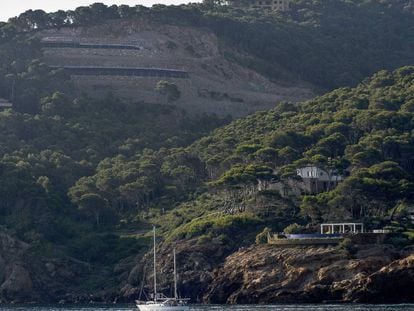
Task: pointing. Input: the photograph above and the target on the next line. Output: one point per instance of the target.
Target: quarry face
(212, 83)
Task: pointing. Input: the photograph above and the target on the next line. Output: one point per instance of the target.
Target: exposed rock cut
(217, 84)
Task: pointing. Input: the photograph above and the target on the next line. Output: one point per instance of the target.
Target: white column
(343, 228)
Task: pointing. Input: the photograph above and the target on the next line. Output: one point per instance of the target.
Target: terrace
(330, 234)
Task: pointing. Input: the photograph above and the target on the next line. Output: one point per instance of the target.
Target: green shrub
(294, 229)
(105, 249)
(399, 241)
(203, 239)
(410, 235)
(228, 224)
(348, 245)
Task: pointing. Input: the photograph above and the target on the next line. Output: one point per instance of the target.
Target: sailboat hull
(161, 307)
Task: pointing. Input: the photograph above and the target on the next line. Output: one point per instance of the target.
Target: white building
(4, 103)
(411, 214)
(317, 179)
(272, 5)
(342, 228)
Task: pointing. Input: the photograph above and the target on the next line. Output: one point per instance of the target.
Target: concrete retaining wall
(77, 45)
(305, 242)
(120, 71)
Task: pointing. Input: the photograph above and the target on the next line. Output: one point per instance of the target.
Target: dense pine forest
(82, 177)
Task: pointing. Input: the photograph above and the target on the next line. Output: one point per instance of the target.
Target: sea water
(324, 307)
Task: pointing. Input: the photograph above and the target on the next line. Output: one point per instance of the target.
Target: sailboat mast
(175, 277)
(155, 268)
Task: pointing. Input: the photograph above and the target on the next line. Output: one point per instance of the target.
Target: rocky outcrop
(28, 276)
(216, 272)
(212, 273)
(391, 284)
(267, 274)
(195, 262)
(15, 281)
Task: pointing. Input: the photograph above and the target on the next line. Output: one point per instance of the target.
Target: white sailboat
(160, 302)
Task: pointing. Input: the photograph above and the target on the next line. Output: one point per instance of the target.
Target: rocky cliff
(269, 274)
(28, 276)
(14, 276)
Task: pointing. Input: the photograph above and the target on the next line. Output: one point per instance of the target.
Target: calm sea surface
(405, 307)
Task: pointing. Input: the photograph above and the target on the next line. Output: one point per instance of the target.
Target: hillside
(83, 177)
(210, 204)
(238, 61)
(364, 132)
(215, 84)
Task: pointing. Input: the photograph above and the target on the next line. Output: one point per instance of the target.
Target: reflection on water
(325, 307)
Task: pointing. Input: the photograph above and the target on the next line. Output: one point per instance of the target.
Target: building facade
(4, 103)
(411, 214)
(272, 5)
(318, 180)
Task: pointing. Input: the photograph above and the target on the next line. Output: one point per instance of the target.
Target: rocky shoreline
(262, 274)
(265, 274)
(215, 273)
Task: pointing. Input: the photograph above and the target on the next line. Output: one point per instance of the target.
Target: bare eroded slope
(216, 84)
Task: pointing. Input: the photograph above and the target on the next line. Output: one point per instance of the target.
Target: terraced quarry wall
(123, 71)
(214, 84)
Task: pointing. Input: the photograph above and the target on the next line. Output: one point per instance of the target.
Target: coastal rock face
(30, 277)
(195, 262)
(268, 274)
(213, 273)
(15, 281)
(392, 283)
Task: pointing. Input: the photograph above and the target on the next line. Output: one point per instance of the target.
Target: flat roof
(5, 103)
(342, 223)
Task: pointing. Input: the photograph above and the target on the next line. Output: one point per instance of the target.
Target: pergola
(346, 227)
